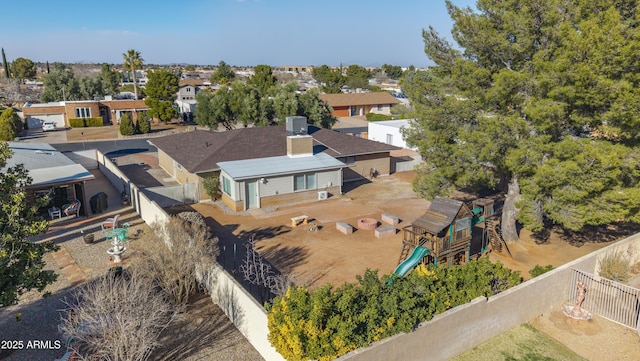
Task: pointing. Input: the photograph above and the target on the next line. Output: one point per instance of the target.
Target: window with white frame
(83, 112)
(304, 181)
(226, 185)
(379, 106)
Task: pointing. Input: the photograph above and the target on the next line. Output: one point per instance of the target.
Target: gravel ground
(202, 333)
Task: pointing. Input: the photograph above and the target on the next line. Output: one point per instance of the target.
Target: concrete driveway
(37, 136)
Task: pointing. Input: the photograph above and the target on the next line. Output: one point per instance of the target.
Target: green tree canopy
(10, 124)
(5, 66)
(23, 69)
(243, 104)
(393, 71)
(21, 263)
(161, 90)
(60, 84)
(330, 79)
(223, 74)
(110, 80)
(126, 125)
(262, 79)
(540, 96)
(357, 76)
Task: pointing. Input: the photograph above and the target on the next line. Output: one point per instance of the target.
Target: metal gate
(609, 299)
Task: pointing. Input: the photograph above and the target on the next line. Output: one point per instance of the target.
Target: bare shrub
(175, 269)
(615, 266)
(279, 284)
(117, 318)
(256, 270)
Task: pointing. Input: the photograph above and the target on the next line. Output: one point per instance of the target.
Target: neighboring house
(390, 132)
(193, 156)
(60, 112)
(353, 104)
(52, 174)
(186, 96)
(188, 88)
(295, 69)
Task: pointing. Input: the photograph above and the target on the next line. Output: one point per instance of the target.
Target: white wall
(378, 131)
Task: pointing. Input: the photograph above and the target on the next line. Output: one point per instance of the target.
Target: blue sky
(240, 32)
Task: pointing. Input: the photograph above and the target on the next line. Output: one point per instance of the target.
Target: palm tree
(133, 61)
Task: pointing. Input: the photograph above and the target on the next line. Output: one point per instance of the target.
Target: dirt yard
(328, 256)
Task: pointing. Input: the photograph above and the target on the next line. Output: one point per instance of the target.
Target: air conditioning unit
(323, 195)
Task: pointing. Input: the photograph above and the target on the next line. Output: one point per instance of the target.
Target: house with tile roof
(354, 104)
(263, 166)
(60, 112)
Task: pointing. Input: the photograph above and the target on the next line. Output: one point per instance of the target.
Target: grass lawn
(520, 343)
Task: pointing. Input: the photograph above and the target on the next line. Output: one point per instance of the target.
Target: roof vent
(296, 125)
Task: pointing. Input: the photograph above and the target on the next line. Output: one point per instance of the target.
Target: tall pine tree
(539, 99)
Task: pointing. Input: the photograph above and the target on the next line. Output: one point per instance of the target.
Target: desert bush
(76, 123)
(126, 125)
(326, 323)
(615, 266)
(537, 270)
(175, 268)
(211, 186)
(10, 124)
(94, 122)
(117, 317)
(143, 124)
(375, 117)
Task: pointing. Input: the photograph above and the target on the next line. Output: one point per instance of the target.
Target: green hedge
(375, 117)
(85, 122)
(326, 323)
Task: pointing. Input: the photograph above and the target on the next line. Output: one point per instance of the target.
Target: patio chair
(110, 222)
(71, 208)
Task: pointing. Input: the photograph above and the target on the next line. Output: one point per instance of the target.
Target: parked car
(48, 126)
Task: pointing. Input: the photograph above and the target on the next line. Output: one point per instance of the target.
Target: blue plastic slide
(413, 260)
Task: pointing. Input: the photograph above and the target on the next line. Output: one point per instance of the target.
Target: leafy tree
(90, 88)
(317, 112)
(10, 125)
(262, 79)
(5, 66)
(190, 67)
(142, 123)
(538, 94)
(126, 125)
(161, 92)
(23, 69)
(331, 80)
(203, 113)
(21, 263)
(357, 76)
(133, 61)
(393, 71)
(110, 80)
(285, 104)
(223, 74)
(60, 84)
(212, 186)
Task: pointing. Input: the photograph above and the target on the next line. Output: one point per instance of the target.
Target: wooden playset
(443, 234)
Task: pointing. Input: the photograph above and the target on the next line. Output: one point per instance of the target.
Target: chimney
(299, 146)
